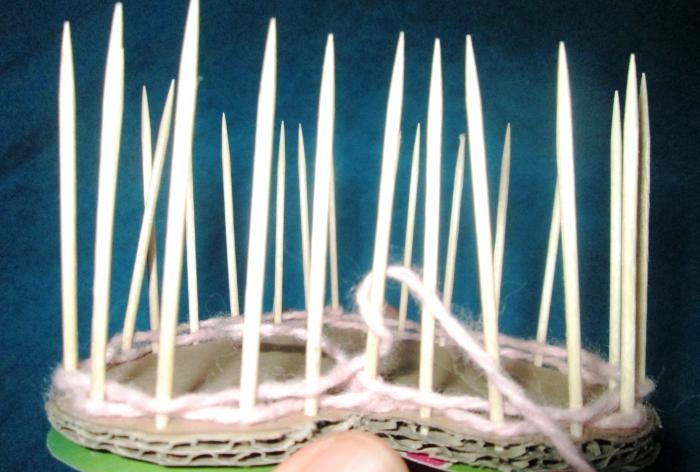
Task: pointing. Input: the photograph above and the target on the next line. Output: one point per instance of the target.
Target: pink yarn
(507, 386)
(353, 390)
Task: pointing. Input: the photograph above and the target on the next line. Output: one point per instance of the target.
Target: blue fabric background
(516, 44)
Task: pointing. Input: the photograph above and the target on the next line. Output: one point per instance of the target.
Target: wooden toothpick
(410, 225)
(482, 220)
(567, 197)
(279, 228)
(259, 212)
(231, 266)
(501, 214)
(385, 204)
(303, 212)
(191, 248)
(453, 234)
(548, 279)
(643, 230)
(432, 221)
(319, 237)
(183, 133)
(630, 199)
(333, 245)
(151, 257)
(67, 200)
(110, 136)
(615, 233)
(147, 222)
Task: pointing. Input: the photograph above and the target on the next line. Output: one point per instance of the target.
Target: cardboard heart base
(209, 367)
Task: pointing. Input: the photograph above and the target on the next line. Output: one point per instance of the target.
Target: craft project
(251, 388)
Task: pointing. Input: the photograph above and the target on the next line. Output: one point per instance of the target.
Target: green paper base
(88, 460)
(467, 468)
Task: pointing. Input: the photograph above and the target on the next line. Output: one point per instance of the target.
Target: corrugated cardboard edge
(203, 444)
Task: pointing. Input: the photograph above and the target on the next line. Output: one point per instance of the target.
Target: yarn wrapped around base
(207, 368)
(207, 428)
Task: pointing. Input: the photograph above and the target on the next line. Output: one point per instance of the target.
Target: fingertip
(345, 452)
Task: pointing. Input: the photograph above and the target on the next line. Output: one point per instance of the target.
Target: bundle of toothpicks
(252, 387)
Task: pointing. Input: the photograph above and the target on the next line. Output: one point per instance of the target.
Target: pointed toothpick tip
(436, 74)
(66, 47)
(470, 61)
(117, 35)
(66, 33)
(632, 76)
(192, 21)
(562, 53)
(631, 90)
(67, 50)
(328, 72)
(271, 40)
